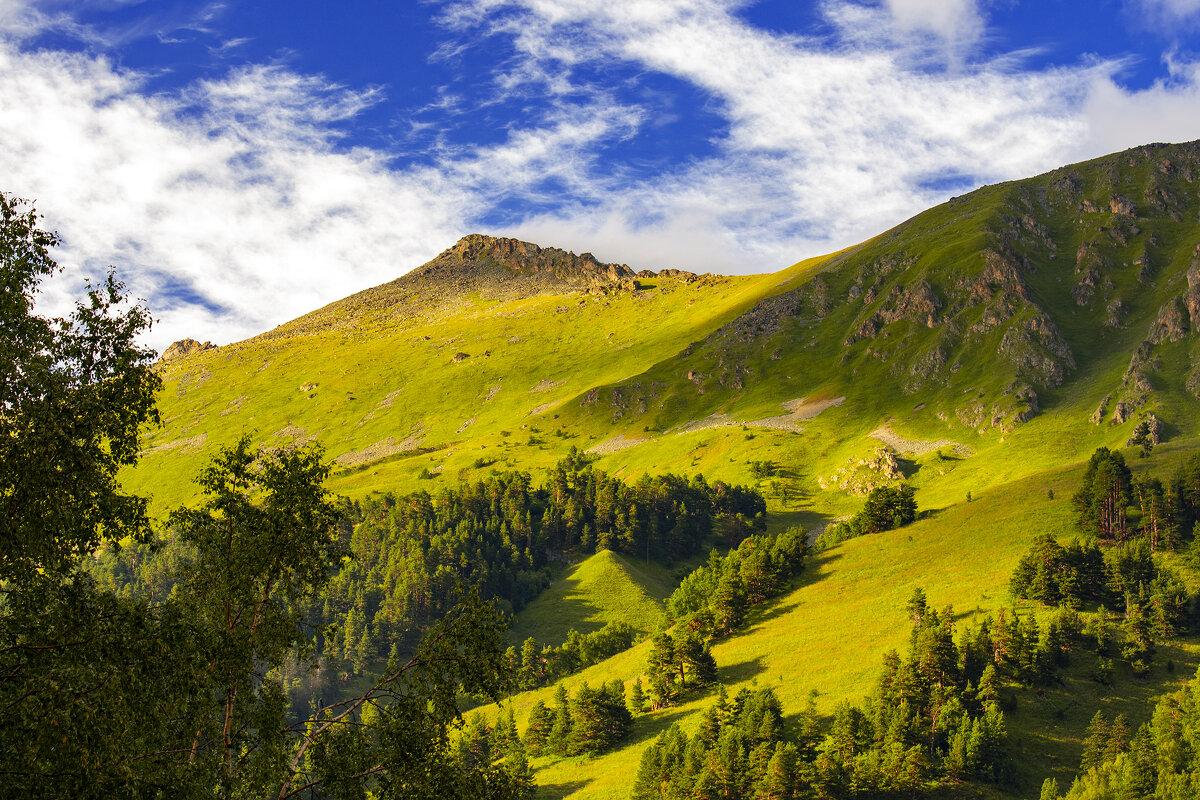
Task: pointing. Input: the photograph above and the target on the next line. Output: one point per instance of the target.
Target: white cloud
(829, 141)
(1163, 112)
(235, 196)
(958, 23)
(1170, 10)
(234, 204)
(230, 205)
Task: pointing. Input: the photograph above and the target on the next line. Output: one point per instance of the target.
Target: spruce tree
(637, 696)
(538, 729)
(560, 731)
(1095, 742)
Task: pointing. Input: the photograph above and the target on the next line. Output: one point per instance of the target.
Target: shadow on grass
(552, 791)
(930, 513)
(569, 610)
(1047, 727)
(648, 726)
(741, 671)
(760, 616)
(810, 521)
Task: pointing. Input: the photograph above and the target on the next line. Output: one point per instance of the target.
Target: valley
(979, 353)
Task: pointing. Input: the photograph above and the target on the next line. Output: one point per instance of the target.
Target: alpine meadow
(918, 518)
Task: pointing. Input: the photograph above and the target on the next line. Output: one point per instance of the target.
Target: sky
(242, 163)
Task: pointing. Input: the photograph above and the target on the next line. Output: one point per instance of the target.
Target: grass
(962, 556)
(545, 373)
(605, 587)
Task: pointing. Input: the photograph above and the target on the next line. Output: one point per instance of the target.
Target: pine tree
(917, 606)
(729, 603)
(661, 669)
(1138, 649)
(538, 729)
(1119, 736)
(781, 779)
(1095, 742)
(637, 696)
(560, 731)
(530, 674)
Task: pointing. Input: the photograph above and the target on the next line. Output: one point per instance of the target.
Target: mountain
(1063, 306)
(980, 351)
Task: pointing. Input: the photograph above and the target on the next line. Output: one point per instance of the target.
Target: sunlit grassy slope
(932, 335)
(828, 635)
(603, 588)
(389, 399)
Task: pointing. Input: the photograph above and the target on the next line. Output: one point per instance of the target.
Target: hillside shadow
(741, 671)
(930, 513)
(772, 611)
(649, 726)
(762, 615)
(553, 791)
(570, 610)
(814, 568)
(808, 520)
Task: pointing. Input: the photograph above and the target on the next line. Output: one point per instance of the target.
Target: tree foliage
(177, 691)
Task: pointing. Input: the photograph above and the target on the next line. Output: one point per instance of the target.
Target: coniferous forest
(300, 623)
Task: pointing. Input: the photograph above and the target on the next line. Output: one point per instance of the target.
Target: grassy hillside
(998, 324)
(390, 398)
(980, 351)
(829, 634)
(603, 588)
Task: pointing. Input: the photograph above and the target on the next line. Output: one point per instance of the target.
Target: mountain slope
(848, 609)
(449, 384)
(980, 351)
(603, 588)
(1073, 296)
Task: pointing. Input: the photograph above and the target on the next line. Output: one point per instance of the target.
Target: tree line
(500, 535)
(933, 717)
(1167, 511)
(886, 508)
(1159, 760)
(713, 599)
(179, 691)
(533, 666)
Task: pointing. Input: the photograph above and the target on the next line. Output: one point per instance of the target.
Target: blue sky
(242, 163)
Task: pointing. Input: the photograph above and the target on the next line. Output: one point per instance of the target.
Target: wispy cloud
(234, 193)
(1165, 13)
(830, 139)
(238, 202)
(233, 205)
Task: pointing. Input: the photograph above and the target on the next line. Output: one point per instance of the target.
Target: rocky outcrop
(474, 258)
(1122, 206)
(488, 267)
(1191, 299)
(1171, 324)
(1148, 432)
(184, 348)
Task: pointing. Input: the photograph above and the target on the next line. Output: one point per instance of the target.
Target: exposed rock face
(478, 266)
(498, 266)
(1116, 313)
(1171, 325)
(1191, 299)
(1148, 432)
(183, 348)
(1122, 205)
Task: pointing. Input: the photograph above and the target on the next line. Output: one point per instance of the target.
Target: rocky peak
(526, 258)
(184, 347)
